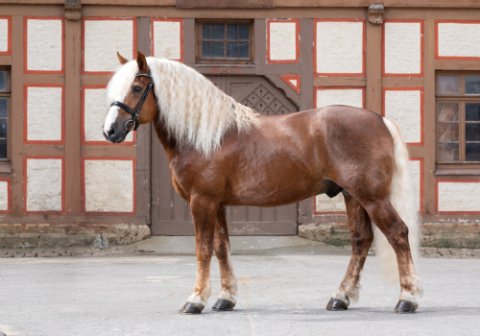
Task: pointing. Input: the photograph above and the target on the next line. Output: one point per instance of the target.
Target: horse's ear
(121, 59)
(142, 62)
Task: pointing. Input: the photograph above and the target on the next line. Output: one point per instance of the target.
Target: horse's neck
(167, 142)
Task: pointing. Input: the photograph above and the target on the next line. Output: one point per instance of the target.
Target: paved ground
(280, 294)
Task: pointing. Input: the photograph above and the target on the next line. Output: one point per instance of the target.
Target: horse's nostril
(110, 132)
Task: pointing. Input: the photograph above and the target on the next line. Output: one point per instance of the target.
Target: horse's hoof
(192, 308)
(404, 307)
(223, 305)
(336, 304)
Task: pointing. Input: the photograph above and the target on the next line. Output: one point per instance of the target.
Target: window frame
(199, 59)
(8, 95)
(459, 167)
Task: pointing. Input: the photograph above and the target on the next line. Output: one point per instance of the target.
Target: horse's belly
(274, 192)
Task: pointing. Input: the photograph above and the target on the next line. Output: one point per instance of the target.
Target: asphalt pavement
(279, 294)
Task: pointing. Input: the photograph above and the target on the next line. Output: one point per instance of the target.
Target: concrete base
(278, 295)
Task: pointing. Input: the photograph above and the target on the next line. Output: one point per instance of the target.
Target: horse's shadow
(360, 313)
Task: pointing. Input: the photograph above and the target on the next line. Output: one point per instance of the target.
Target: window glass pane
(217, 49)
(232, 49)
(4, 81)
(3, 128)
(232, 31)
(3, 107)
(218, 31)
(447, 112)
(472, 132)
(448, 85)
(206, 49)
(472, 85)
(447, 152)
(225, 40)
(206, 31)
(447, 132)
(243, 30)
(243, 50)
(3, 148)
(472, 151)
(472, 111)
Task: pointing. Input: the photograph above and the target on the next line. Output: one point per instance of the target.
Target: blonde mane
(194, 111)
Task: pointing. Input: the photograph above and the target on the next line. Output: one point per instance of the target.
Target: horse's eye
(136, 88)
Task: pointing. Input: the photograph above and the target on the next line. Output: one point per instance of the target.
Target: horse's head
(132, 99)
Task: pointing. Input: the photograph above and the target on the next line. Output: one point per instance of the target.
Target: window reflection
(447, 131)
(448, 85)
(472, 85)
(225, 41)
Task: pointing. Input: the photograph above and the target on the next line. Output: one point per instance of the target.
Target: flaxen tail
(404, 200)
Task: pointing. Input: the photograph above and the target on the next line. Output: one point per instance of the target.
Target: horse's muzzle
(115, 135)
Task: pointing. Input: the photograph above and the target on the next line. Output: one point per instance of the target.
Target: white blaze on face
(110, 119)
(117, 90)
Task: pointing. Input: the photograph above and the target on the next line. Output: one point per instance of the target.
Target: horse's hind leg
(362, 237)
(226, 300)
(389, 222)
(204, 212)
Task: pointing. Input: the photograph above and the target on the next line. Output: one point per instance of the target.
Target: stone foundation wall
(438, 234)
(24, 236)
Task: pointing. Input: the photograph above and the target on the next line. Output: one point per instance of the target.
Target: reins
(132, 124)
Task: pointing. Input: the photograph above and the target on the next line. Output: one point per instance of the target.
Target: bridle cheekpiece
(132, 124)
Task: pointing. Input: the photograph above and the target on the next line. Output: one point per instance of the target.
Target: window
(458, 118)
(4, 107)
(224, 41)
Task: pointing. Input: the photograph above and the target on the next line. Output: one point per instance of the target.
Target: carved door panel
(171, 214)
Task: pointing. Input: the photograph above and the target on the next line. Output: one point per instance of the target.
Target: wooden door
(171, 214)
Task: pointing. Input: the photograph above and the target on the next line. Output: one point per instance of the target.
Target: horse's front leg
(204, 213)
(226, 300)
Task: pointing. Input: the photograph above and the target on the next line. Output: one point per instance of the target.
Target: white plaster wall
(44, 113)
(339, 47)
(403, 47)
(351, 97)
(44, 45)
(459, 39)
(325, 204)
(103, 38)
(109, 185)
(453, 196)
(4, 35)
(283, 41)
(96, 109)
(3, 195)
(404, 108)
(415, 171)
(44, 185)
(167, 39)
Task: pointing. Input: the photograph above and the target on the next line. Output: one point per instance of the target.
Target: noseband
(135, 112)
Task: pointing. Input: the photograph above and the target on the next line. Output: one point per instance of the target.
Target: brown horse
(223, 153)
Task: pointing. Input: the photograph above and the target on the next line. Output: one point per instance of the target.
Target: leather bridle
(132, 124)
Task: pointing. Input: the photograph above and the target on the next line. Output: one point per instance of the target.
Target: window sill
(457, 171)
(5, 167)
(239, 65)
